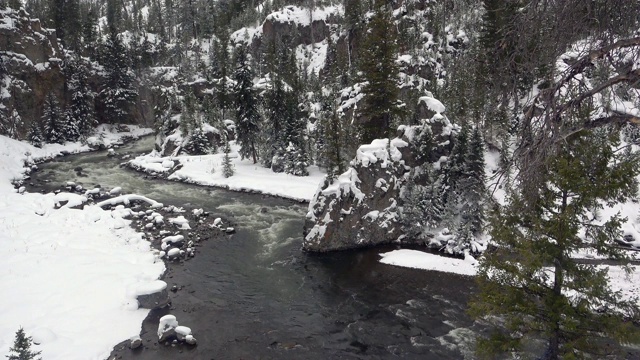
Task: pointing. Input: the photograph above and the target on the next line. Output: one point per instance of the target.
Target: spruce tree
(34, 135)
(379, 70)
(530, 285)
(14, 124)
(247, 116)
(119, 93)
(227, 166)
(21, 349)
(198, 143)
(53, 120)
(80, 117)
(472, 186)
(188, 122)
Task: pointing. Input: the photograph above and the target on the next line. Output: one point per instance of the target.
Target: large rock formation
(363, 206)
(33, 59)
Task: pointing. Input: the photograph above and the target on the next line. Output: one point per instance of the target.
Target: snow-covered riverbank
(69, 277)
(248, 177)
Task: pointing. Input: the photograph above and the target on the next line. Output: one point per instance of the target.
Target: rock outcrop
(362, 207)
(33, 59)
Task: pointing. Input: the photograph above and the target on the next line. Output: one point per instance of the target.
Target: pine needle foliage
(530, 286)
(227, 167)
(21, 349)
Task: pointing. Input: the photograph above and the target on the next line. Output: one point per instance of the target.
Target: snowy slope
(248, 177)
(69, 277)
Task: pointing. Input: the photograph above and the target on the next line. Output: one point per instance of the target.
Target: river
(256, 295)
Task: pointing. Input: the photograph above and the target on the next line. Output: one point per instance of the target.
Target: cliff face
(363, 206)
(33, 60)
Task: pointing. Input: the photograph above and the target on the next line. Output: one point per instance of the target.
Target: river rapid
(256, 295)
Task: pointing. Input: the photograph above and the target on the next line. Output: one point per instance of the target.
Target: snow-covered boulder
(362, 206)
(153, 295)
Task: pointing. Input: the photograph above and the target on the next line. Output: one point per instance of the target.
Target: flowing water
(256, 295)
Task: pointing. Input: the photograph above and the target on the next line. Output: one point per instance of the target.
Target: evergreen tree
(53, 120)
(21, 349)
(275, 107)
(295, 161)
(162, 115)
(247, 116)
(227, 166)
(530, 285)
(380, 73)
(119, 94)
(89, 34)
(80, 115)
(456, 165)
(188, 120)
(34, 135)
(473, 186)
(198, 143)
(14, 124)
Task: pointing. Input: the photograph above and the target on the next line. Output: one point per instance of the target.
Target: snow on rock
(426, 261)
(166, 327)
(361, 207)
(432, 104)
(352, 211)
(181, 222)
(127, 199)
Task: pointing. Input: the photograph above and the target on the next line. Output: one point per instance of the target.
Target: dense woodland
(550, 85)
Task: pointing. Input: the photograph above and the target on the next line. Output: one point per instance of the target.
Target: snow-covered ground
(69, 277)
(248, 177)
(427, 261)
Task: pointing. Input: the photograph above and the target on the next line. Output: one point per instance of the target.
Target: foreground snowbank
(69, 277)
(249, 177)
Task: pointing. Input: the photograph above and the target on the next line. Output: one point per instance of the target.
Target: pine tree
(455, 166)
(275, 117)
(247, 116)
(89, 34)
(162, 111)
(530, 286)
(14, 124)
(188, 122)
(80, 116)
(227, 166)
(295, 161)
(198, 143)
(53, 120)
(380, 73)
(118, 94)
(21, 349)
(473, 186)
(34, 135)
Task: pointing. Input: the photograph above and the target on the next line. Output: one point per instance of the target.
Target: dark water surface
(256, 295)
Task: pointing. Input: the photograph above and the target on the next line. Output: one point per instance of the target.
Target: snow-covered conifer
(247, 116)
(227, 166)
(80, 115)
(53, 120)
(21, 349)
(119, 93)
(295, 161)
(198, 143)
(34, 135)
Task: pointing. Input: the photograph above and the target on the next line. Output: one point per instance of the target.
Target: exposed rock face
(154, 301)
(33, 59)
(362, 207)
